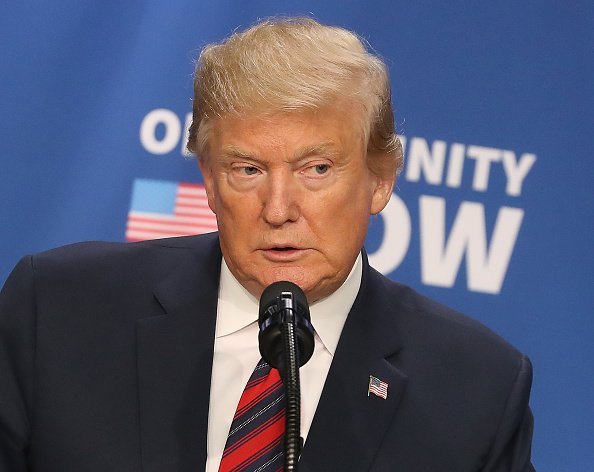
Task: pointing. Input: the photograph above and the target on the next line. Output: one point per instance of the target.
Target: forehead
(326, 129)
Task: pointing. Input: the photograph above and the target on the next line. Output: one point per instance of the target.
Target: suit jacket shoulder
(457, 394)
(105, 356)
(425, 325)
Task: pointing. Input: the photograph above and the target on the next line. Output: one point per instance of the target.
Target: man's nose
(280, 198)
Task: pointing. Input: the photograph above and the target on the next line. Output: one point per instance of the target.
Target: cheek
(238, 219)
(235, 205)
(341, 229)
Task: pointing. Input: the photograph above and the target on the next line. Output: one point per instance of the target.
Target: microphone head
(271, 294)
(280, 300)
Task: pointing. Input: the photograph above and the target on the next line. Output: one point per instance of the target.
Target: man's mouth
(282, 253)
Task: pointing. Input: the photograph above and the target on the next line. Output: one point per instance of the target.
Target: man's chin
(296, 275)
(314, 286)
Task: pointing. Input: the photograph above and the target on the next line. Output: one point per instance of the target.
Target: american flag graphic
(377, 387)
(161, 209)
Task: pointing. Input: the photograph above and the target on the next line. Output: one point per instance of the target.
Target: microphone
(286, 341)
(284, 302)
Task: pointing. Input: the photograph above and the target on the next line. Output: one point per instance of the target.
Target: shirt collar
(329, 314)
(238, 308)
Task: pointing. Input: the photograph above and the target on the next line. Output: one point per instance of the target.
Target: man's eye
(250, 170)
(321, 168)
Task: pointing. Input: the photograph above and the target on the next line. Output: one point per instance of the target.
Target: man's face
(293, 194)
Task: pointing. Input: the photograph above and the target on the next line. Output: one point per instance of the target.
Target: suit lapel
(174, 353)
(349, 424)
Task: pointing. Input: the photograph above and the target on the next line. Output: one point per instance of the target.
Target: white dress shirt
(236, 353)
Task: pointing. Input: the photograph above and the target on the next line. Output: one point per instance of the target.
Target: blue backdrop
(492, 215)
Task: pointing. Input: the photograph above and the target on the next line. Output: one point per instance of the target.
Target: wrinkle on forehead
(324, 149)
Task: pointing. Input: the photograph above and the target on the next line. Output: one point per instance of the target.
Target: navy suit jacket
(106, 354)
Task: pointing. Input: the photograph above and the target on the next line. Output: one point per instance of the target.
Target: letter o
(148, 128)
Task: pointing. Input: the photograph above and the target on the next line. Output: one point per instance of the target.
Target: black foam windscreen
(280, 302)
(271, 294)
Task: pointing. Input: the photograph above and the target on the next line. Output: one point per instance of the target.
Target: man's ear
(383, 180)
(381, 195)
(206, 170)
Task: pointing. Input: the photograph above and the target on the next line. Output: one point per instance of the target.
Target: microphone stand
(290, 374)
(286, 342)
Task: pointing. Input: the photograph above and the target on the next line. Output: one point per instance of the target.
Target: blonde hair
(291, 64)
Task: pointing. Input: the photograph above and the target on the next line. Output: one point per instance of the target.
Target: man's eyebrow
(234, 151)
(321, 148)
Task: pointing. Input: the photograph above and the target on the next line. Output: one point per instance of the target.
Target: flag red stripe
(186, 185)
(174, 222)
(191, 201)
(165, 231)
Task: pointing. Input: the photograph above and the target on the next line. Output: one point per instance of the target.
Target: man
(133, 357)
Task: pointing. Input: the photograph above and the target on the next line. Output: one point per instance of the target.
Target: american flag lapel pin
(377, 387)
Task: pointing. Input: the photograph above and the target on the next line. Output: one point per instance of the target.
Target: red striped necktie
(255, 441)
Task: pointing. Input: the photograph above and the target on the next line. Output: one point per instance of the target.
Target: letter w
(485, 267)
